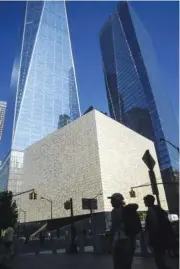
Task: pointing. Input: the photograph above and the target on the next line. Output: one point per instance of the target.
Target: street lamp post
(24, 212)
(163, 139)
(50, 201)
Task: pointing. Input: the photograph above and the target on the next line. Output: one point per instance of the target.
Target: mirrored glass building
(135, 90)
(43, 79)
(46, 83)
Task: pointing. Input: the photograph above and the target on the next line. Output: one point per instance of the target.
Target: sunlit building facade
(88, 149)
(43, 78)
(136, 94)
(46, 80)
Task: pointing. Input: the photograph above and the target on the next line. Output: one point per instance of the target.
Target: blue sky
(85, 20)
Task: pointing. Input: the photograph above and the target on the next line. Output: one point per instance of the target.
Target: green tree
(8, 210)
(142, 216)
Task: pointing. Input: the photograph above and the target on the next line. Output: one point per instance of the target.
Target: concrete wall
(121, 151)
(63, 165)
(91, 155)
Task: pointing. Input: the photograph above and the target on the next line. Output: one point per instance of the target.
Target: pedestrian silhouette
(159, 231)
(124, 228)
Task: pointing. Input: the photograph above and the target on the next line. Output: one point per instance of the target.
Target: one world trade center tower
(44, 83)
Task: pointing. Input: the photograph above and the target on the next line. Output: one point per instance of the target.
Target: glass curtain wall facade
(136, 95)
(45, 86)
(43, 78)
(2, 116)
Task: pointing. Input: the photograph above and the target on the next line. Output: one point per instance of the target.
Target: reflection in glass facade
(135, 92)
(44, 81)
(47, 85)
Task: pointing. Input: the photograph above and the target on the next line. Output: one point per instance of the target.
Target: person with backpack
(159, 231)
(125, 225)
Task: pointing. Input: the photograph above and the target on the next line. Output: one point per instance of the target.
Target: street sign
(88, 204)
(148, 160)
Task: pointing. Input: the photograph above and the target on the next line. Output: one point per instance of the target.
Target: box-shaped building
(94, 156)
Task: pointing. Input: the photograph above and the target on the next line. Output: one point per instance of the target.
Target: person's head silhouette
(149, 200)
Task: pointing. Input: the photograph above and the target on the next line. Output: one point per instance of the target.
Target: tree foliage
(142, 216)
(8, 210)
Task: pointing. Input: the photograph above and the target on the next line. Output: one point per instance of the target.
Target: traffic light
(31, 196)
(132, 193)
(35, 196)
(67, 205)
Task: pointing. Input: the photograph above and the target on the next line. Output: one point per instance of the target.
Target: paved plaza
(77, 261)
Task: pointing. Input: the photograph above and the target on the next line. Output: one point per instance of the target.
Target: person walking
(125, 225)
(8, 238)
(159, 231)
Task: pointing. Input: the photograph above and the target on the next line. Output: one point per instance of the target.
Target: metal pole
(24, 216)
(158, 200)
(92, 226)
(97, 195)
(73, 247)
(20, 193)
(177, 148)
(51, 209)
(72, 214)
(154, 186)
(24, 212)
(91, 213)
(158, 183)
(50, 201)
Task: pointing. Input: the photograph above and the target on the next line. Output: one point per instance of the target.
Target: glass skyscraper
(2, 116)
(136, 94)
(44, 81)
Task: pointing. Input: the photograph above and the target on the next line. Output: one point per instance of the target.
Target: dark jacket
(158, 227)
(131, 220)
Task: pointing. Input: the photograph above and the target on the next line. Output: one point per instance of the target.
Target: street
(77, 261)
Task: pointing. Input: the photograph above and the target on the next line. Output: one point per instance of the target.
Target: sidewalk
(77, 261)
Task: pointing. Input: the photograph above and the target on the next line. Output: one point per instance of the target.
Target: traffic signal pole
(73, 247)
(150, 163)
(158, 183)
(149, 184)
(20, 193)
(154, 186)
(68, 205)
(71, 208)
